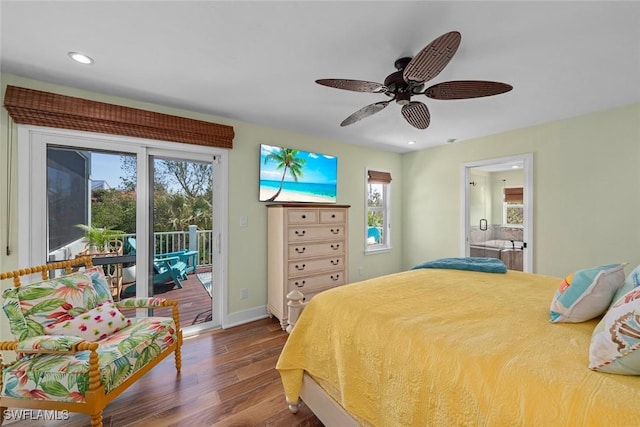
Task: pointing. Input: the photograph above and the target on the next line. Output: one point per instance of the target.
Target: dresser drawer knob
(335, 262)
(304, 216)
(300, 268)
(300, 233)
(335, 278)
(335, 247)
(301, 250)
(333, 215)
(300, 285)
(335, 231)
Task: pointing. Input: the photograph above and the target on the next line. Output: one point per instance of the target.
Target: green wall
(247, 250)
(586, 191)
(586, 188)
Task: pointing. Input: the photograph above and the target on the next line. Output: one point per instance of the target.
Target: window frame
(384, 246)
(506, 205)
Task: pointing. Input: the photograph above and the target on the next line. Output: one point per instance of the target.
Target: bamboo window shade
(514, 195)
(379, 177)
(33, 107)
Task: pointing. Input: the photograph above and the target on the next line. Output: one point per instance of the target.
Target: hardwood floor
(228, 379)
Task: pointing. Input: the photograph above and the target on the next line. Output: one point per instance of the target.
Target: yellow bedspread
(451, 348)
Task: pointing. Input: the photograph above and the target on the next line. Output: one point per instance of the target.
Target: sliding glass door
(147, 212)
(183, 234)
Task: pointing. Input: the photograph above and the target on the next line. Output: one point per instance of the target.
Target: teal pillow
(586, 294)
(631, 282)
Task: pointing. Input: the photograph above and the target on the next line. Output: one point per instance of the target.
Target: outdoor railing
(192, 239)
(164, 242)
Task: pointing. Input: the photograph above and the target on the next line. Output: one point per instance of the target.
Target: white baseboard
(244, 316)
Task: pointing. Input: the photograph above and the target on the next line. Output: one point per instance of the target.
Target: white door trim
(527, 160)
(32, 187)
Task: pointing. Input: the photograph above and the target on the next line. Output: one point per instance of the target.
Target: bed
(449, 347)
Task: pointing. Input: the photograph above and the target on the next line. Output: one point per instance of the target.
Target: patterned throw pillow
(92, 325)
(615, 344)
(631, 282)
(587, 293)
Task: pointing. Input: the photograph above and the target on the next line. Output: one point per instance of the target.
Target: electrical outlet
(244, 293)
(360, 271)
(244, 221)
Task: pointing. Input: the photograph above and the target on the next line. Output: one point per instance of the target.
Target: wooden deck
(193, 299)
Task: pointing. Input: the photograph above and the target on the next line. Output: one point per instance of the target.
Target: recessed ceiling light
(515, 167)
(411, 142)
(80, 57)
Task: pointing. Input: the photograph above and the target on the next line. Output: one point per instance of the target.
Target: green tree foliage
(182, 197)
(374, 217)
(114, 209)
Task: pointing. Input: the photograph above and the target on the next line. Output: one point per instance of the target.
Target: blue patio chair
(373, 232)
(165, 269)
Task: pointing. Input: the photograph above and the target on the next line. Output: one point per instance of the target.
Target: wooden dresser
(307, 251)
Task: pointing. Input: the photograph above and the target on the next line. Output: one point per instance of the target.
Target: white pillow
(615, 343)
(92, 325)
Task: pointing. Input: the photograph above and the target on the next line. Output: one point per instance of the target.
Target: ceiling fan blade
(417, 114)
(354, 85)
(365, 112)
(432, 58)
(464, 89)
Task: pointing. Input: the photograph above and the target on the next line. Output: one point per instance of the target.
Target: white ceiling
(257, 61)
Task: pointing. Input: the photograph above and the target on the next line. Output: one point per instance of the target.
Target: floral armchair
(75, 350)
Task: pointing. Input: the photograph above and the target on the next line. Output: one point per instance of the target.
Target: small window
(513, 207)
(377, 235)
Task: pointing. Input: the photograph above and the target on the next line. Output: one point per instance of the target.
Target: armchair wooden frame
(95, 397)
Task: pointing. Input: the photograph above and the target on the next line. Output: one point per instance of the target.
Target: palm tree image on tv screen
(290, 175)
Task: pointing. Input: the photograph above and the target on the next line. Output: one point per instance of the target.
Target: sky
(319, 168)
(106, 167)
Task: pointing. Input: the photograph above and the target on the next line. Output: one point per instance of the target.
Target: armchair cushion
(44, 343)
(92, 325)
(32, 308)
(140, 302)
(64, 377)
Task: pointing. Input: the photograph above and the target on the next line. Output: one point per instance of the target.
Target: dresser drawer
(302, 234)
(302, 216)
(310, 266)
(330, 216)
(305, 250)
(313, 283)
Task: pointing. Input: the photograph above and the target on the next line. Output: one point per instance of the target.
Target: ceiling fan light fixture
(81, 58)
(403, 98)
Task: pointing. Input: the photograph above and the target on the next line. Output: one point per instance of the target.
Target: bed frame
(321, 404)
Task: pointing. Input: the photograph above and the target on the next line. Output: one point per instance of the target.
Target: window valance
(379, 177)
(514, 195)
(33, 107)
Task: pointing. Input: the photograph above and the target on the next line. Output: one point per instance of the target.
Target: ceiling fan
(409, 81)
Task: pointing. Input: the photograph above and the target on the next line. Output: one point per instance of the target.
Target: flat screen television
(291, 175)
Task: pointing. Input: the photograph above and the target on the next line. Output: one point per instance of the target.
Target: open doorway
(498, 210)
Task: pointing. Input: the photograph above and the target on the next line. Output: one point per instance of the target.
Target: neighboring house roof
(100, 184)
